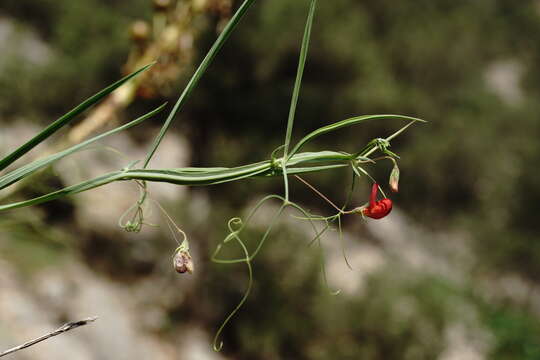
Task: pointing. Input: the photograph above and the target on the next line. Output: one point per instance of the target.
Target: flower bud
(182, 262)
(394, 179)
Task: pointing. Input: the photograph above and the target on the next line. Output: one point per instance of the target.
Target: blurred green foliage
(471, 169)
(89, 42)
(516, 333)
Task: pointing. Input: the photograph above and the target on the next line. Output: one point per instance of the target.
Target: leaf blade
(34, 166)
(65, 119)
(344, 123)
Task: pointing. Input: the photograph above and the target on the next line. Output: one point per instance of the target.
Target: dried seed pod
(182, 262)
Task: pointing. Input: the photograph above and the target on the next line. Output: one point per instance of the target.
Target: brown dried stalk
(62, 329)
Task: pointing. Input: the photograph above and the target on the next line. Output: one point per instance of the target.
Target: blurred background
(452, 273)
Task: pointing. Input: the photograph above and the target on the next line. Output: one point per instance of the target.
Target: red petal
(380, 210)
(373, 197)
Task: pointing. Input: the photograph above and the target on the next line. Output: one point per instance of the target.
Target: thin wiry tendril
(217, 347)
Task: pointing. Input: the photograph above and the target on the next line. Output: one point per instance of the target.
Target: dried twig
(62, 329)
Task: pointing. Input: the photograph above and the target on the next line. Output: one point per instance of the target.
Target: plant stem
(62, 329)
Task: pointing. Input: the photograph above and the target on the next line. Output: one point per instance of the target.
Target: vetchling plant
(285, 162)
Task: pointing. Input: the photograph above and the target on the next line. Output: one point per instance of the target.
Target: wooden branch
(62, 329)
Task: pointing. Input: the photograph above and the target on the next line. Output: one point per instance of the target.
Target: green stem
(292, 164)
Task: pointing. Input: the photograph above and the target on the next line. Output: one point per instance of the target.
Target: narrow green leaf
(65, 119)
(296, 92)
(70, 190)
(28, 169)
(319, 156)
(299, 74)
(344, 123)
(372, 145)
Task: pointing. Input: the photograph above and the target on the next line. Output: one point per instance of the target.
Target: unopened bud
(182, 262)
(394, 179)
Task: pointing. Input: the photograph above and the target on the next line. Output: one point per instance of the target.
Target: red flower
(377, 209)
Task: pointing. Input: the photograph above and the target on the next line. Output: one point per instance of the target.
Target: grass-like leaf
(65, 119)
(296, 91)
(344, 123)
(34, 166)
